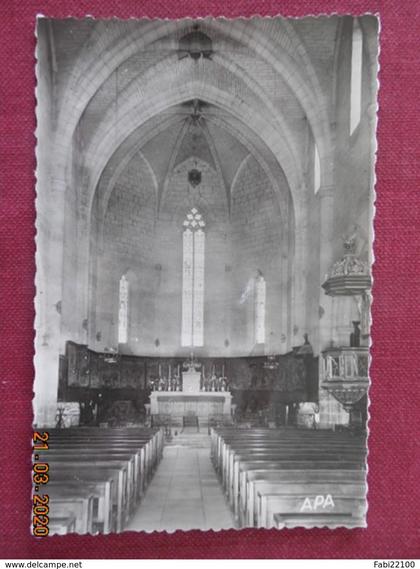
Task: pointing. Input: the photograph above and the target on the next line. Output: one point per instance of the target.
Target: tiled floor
(184, 493)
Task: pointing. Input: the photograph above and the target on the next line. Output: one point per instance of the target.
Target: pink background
(394, 425)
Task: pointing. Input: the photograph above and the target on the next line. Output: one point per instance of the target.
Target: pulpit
(346, 376)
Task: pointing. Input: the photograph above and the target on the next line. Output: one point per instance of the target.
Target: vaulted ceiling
(172, 90)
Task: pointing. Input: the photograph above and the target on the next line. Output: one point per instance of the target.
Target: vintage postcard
(205, 198)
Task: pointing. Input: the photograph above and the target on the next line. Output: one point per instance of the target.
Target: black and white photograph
(204, 250)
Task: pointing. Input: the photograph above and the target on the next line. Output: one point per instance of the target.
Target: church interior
(204, 249)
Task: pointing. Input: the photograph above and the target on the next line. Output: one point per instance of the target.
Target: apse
(190, 160)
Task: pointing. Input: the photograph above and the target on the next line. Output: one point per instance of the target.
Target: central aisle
(185, 492)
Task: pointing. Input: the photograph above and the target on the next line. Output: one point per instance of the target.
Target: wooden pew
(316, 460)
(276, 454)
(344, 511)
(224, 436)
(301, 449)
(225, 448)
(115, 465)
(321, 447)
(70, 502)
(321, 519)
(79, 472)
(287, 437)
(142, 467)
(326, 497)
(250, 466)
(103, 485)
(133, 455)
(152, 448)
(253, 479)
(278, 434)
(239, 488)
(61, 526)
(154, 436)
(109, 459)
(311, 451)
(150, 441)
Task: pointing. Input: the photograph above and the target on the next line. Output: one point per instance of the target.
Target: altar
(179, 404)
(194, 399)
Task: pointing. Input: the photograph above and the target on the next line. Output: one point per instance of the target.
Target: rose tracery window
(193, 279)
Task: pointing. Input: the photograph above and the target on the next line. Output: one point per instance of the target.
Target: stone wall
(126, 247)
(256, 242)
(146, 245)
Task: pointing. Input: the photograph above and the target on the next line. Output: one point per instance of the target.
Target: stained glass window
(123, 311)
(193, 279)
(317, 170)
(356, 76)
(260, 294)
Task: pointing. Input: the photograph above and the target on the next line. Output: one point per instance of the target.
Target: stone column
(48, 311)
(51, 192)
